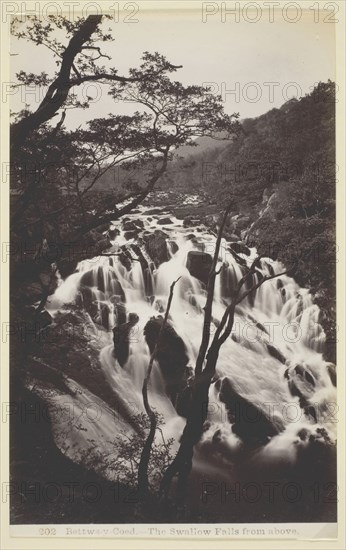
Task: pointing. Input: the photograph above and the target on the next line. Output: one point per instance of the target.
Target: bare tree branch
(182, 463)
(143, 482)
(210, 297)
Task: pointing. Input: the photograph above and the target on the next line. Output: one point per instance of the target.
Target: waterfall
(273, 358)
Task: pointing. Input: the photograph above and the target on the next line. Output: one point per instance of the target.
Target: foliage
(280, 171)
(125, 458)
(54, 173)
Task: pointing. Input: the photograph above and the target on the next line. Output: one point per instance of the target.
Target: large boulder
(171, 355)
(130, 235)
(138, 252)
(125, 258)
(249, 422)
(156, 246)
(102, 317)
(105, 280)
(132, 225)
(240, 248)
(199, 264)
(164, 221)
(174, 246)
(122, 338)
(191, 221)
(301, 383)
(112, 232)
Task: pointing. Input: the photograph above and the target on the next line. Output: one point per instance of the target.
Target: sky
(255, 67)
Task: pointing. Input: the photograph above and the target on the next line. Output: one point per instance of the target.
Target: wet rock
(87, 279)
(332, 372)
(102, 245)
(130, 235)
(139, 223)
(164, 221)
(251, 281)
(154, 211)
(274, 352)
(174, 247)
(113, 232)
(102, 317)
(191, 221)
(129, 226)
(241, 261)
(299, 309)
(249, 422)
(199, 264)
(139, 254)
(156, 246)
(101, 284)
(301, 383)
(310, 411)
(85, 299)
(271, 269)
(303, 372)
(240, 248)
(125, 258)
(122, 337)
(145, 269)
(133, 225)
(104, 280)
(77, 357)
(279, 284)
(171, 355)
(120, 310)
(303, 434)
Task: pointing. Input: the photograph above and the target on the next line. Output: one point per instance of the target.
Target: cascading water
(273, 358)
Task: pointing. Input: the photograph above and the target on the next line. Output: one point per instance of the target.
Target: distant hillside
(203, 144)
(280, 173)
(183, 157)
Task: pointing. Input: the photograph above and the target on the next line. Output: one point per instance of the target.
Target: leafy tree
(55, 171)
(77, 63)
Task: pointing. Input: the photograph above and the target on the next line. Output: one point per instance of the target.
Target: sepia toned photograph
(172, 256)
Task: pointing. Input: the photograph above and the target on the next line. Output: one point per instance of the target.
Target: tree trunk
(58, 91)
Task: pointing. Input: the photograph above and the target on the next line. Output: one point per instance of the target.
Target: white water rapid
(273, 358)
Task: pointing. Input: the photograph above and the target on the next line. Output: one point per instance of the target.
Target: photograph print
(172, 266)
